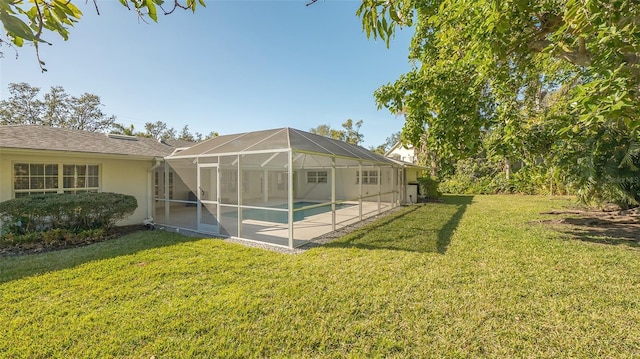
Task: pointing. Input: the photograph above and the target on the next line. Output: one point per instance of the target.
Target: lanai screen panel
(263, 210)
(308, 142)
(339, 193)
(228, 194)
(239, 143)
(175, 194)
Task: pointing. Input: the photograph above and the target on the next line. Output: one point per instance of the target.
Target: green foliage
(542, 78)
(388, 143)
(161, 130)
(23, 23)
(56, 108)
(51, 238)
(74, 212)
(349, 134)
(474, 176)
(429, 187)
(483, 176)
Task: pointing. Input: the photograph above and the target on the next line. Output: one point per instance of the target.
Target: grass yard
(471, 277)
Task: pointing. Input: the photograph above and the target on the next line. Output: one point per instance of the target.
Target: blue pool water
(282, 217)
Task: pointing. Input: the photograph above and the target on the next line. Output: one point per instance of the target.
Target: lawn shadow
(445, 234)
(601, 231)
(419, 228)
(20, 266)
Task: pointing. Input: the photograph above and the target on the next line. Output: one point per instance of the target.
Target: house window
(373, 177)
(80, 178)
(317, 177)
(34, 178)
(368, 177)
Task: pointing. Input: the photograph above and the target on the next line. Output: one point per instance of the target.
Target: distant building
(408, 158)
(402, 153)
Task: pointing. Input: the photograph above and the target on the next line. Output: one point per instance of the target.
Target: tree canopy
(32, 22)
(388, 143)
(350, 132)
(161, 130)
(26, 106)
(550, 80)
(56, 108)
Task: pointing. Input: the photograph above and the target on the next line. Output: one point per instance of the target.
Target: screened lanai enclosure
(282, 186)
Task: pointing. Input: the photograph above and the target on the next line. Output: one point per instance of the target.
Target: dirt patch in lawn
(606, 227)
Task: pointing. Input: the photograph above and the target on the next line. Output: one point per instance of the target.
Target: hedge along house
(280, 186)
(42, 159)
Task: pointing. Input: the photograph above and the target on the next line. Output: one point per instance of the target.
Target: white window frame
(30, 177)
(56, 180)
(78, 178)
(369, 177)
(317, 177)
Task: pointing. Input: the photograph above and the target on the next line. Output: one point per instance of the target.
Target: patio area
(270, 231)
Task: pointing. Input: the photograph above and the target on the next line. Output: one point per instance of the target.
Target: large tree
(566, 69)
(56, 108)
(32, 21)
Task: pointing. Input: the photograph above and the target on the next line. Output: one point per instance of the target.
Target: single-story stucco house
(281, 186)
(42, 159)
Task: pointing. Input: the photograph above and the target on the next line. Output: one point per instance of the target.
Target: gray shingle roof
(67, 140)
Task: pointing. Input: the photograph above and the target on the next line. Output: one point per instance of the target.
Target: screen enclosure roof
(279, 140)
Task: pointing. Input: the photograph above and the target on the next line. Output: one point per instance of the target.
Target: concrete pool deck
(277, 234)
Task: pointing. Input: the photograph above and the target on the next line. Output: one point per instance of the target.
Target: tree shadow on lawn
(20, 266)
(600, 229)
(421, 228)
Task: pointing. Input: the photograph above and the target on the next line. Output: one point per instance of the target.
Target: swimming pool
(281, 216)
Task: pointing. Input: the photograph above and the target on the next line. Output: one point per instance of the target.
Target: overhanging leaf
(16, 27)
(152, 12)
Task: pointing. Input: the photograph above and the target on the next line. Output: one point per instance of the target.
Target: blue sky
(234, 66)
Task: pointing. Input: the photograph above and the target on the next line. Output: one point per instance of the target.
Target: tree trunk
(507, 168)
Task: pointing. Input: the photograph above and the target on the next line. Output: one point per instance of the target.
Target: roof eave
(34, 151)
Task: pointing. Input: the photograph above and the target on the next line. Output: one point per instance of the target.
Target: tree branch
(176, 5)
(579, 58)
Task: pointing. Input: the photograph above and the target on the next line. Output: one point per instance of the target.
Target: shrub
(74, 212)
(481, 176)
(429, 187)
(475, 176)
(55, 235)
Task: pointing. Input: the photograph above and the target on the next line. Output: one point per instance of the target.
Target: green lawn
(472, 277)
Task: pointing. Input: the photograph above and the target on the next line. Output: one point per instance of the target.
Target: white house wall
(403, 154)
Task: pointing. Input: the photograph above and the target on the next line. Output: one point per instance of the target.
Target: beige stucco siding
(119, 174)
(412, 174)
